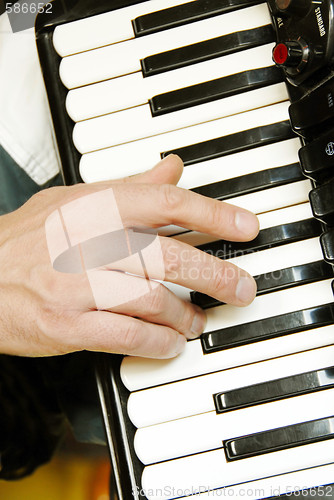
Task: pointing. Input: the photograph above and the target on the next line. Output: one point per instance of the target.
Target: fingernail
(166, 158)
(247, 223)
(246, 289)
(198, 323)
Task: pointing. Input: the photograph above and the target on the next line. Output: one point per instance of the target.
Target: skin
(45, 312)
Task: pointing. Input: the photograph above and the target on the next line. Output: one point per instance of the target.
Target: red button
(280, 53)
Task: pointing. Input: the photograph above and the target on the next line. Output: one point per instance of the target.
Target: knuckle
(172, 260)
(214, 216)
(155, 302)
(218, 281)
(219, 216)
(131, 339)
(185, 319)
(46, 195)
(169, 197)
(163, 348)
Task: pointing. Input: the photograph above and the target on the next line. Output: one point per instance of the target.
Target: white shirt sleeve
(25, 122)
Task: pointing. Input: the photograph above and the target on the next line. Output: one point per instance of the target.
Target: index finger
(159, 205)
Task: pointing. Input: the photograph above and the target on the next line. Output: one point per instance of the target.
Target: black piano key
(322, 202)
(267, 238)
(277, 280)
(267, 328)
(317, 157)
(279, 439)
(251, 183)
(274, 390)
(186, 13)
(327, 245)
(233, 143)
(209, 49)
(313, 110)
(204, 301)
(214, 89)
(295, 275)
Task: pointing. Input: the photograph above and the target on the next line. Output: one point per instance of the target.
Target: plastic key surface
(267, 238)
(207, 49)
(233, 143)
(313, 110)
(322, 202)
(327, 245)
(266, 328)
(317, 157)
(185, 13)
(193, 396)
(275, 389)
(251, 182)
(214, 89)
(279, 439)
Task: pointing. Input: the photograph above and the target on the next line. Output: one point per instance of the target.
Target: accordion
(243, 92)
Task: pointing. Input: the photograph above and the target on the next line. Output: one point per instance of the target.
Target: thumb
(167, 171)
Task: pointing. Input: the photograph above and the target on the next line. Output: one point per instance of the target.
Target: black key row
(214, 89)
(186, 13)
(257, 181)
(274, 390)
(209, 49)
(234, 143)
(268, 328)
(267, 238)
(279, 439)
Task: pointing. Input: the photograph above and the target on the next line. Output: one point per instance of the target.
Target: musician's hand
(47, 312)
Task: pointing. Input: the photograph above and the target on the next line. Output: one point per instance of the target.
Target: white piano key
(272, 304)
(140, 373)
(137, 123)
(193, 396)
(162, 481)
(239, 164)
(274, 259)
(123, 58)
(285, 215)
(279, 485)
(137, 156)
(206, 431)
(103, 29)
(134, 90)
(100, 165)
(273, 198)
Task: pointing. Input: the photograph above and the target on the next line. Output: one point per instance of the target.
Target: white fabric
(25, 123)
